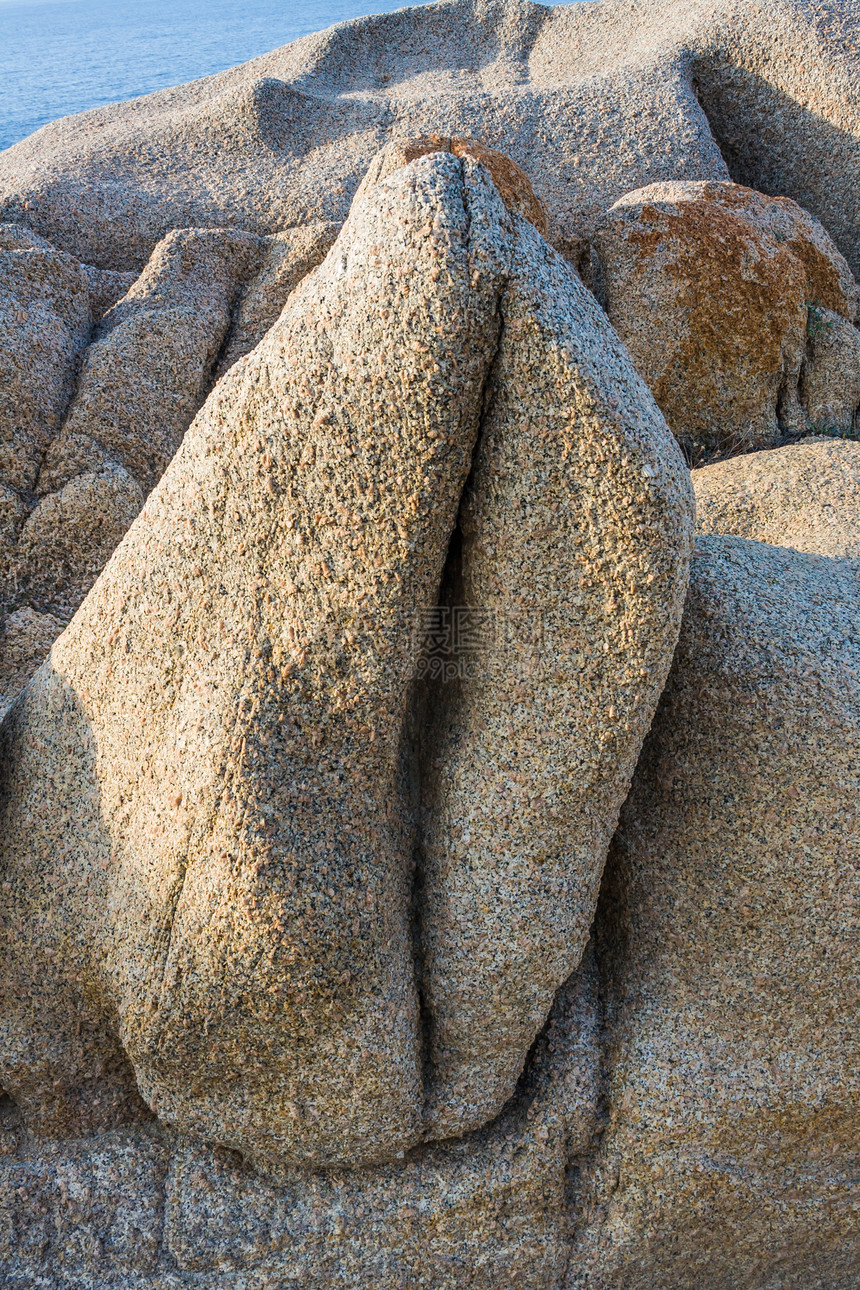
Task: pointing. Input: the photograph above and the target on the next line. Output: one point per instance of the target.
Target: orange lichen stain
(743, 296)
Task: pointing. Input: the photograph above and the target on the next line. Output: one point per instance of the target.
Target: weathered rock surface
(805, 496)
(729, 926)
(592, 101)
(830, 376)
(734, 307)
(93, 418)
(570, 567)
(244, 910)
(278, 878)
(44, 325)
(285, 259)
(106, 288)
(150, 363)
(143, 1208)
(26, 638)
(512, 183)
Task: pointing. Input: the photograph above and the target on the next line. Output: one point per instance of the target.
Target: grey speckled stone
(284, 260)
(728, 933)
(81, 473)
(573, 560)
(591, 100)
(44, 325)
(149, 366)
(830, 376)
(143, 1209)
(26, 639)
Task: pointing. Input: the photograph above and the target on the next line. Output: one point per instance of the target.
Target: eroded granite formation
(359, 545)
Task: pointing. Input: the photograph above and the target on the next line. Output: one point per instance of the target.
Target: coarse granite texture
(724, 298)
(727, 936)
(92, 415)
(571, 556)
(284, 260)
(686, 1115)
(44, 324)
(805, 496)
(26, 639)
(238, 922)
(513, 184)
(146, 1209)
(830, 375)
(591, 100)
(148, 367)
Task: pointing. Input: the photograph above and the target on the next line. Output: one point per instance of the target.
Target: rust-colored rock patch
(710, 287)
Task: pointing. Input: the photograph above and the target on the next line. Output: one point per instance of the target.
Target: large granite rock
(236, 920)
(728, 934)
(305, 817)
(592, 101)
(736, 309)
(564, 601)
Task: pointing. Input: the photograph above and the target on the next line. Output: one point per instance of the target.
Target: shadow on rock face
(726, 929)
(782, 143)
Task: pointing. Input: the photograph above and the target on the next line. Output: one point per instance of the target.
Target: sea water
(63, 56)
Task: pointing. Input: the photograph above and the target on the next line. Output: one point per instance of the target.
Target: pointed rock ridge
(592, 101)
(719, 294)
(567, 596)
(513, 184)
(235, 820)
(44, 324)
(728, 934)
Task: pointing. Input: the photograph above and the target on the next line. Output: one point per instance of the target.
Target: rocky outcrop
(590, 101)
(285, 259)
(142, 1206)
(737, 310)
(244, 911)
(98, 430)
(729, 917)
(359, 550)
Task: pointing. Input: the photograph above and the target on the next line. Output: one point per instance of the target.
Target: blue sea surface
(63, 56)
